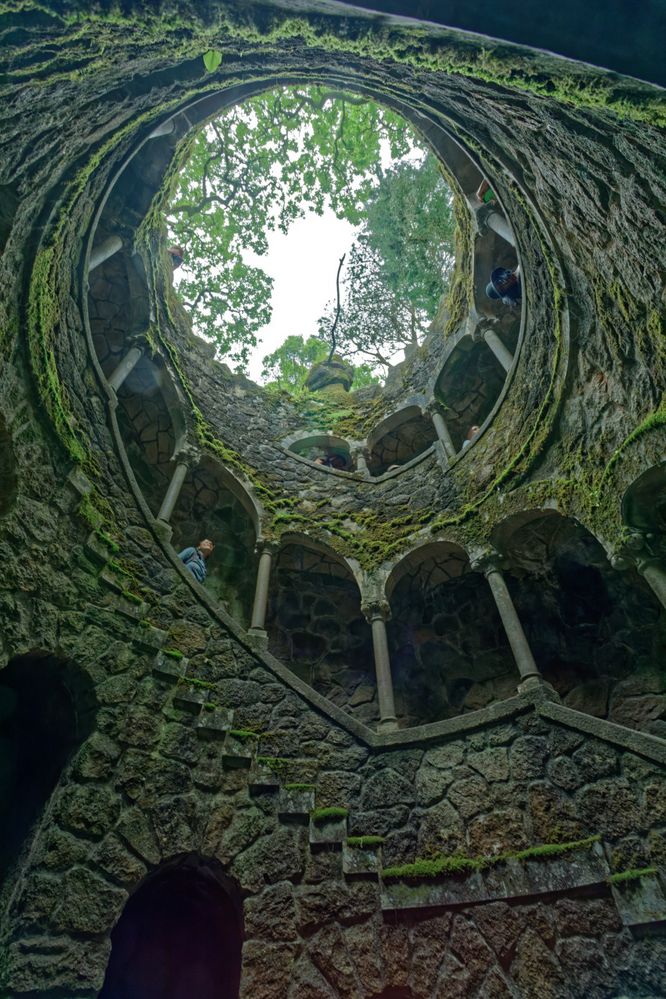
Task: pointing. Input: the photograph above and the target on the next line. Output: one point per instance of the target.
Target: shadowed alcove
(179, 937)
(472, 380)
(47, 709)
(449, 653)
(398, 439)
(315, 624)
(207, 508)
(598, 635)
(152, 428)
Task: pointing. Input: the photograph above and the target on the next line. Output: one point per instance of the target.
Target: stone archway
(449, 653)
(47, 710)
(180, 936)
(595, 633)
(315, 624)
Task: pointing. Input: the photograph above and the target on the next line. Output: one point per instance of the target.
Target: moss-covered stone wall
(196, 740)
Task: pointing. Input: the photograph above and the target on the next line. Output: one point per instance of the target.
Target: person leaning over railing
(194, 559)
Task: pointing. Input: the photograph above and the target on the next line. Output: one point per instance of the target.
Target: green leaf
(212, 60)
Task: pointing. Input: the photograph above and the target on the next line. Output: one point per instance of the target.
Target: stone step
(239, 748)
(362, 856)
(169, 668)
(214, 724)
(296, 802)
(328, 826)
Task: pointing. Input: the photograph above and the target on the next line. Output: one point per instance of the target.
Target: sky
(304, 264)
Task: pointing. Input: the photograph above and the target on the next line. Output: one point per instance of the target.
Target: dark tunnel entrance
(180, 936)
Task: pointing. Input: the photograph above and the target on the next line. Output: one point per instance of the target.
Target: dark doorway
(47, 709)
(180, 936)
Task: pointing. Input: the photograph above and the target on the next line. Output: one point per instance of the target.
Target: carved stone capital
(188, 454)
(267, 546)
(376, 610)
(487, 562)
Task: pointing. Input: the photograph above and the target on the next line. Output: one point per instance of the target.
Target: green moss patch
(623, 876)
(364, 842)
(320, 816)
(427, 869)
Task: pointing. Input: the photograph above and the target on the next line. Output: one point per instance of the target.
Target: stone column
(499, 224)
(100, 253)
(442, 431)
(358, 457)
(637, 549)
(504, 356)
(166, 128)
(185, 459)
(654, 575)
(126, 366)
(377, 615)
(257, 624)
(522, 653)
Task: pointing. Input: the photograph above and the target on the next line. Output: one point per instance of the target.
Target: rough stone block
(296, 803)
(360, 862)
(331, 832)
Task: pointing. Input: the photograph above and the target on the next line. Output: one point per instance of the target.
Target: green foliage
(257, 168)
(400, 265)
(212, 60)
(364, 842)
(299, 787)
(243, 734)
(288, 366)
(427, 868)
(633, 875)
(320, 816)
(173, 653)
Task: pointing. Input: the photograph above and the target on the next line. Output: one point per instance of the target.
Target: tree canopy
(258, 167)
(399, 266)
(273, 159)
(288, 366)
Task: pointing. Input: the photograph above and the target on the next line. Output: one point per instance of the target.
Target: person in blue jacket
(194, 559)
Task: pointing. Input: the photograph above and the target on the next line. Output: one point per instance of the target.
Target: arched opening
(329, 451)
(449, 653)
(315, 624)
(470, 384)
(47, 709)
(151, 427)
(8, 482)
(207, 508)
(596, 634)
(398, 439)
(180, 936)
(644, 503)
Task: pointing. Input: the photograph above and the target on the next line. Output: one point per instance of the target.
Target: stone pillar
(257, 624)
(499, 224)
(166, 128)
(185, 459)
(100, 253)
(654, 575)
(127, 365)
(377, 615)
(504, 356)
(522, 653)
(358, 457)
(442, 431)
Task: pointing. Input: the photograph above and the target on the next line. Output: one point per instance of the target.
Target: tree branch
(337, 311)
